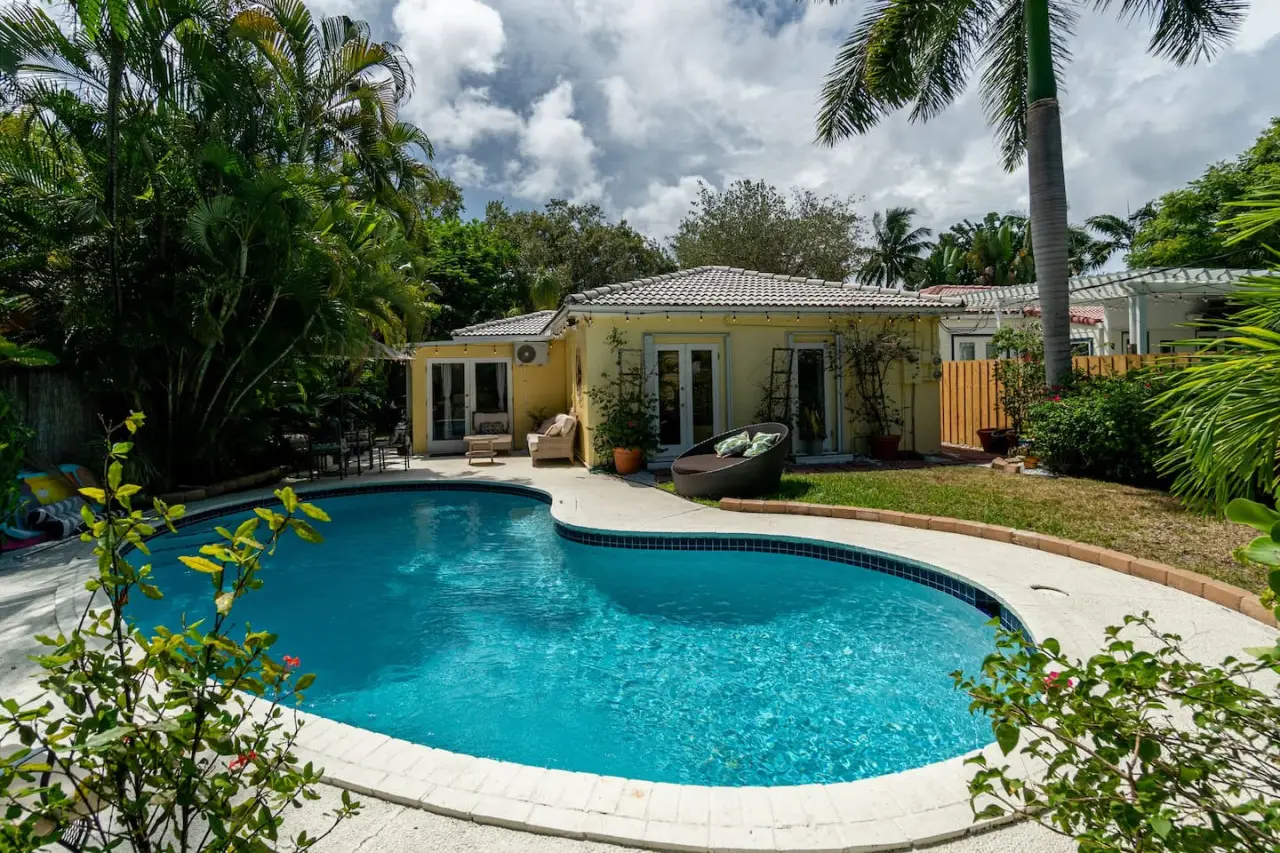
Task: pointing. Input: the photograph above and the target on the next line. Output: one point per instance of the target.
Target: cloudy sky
(630, 103)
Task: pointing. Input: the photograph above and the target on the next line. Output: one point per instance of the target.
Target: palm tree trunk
(115, 81)
(1048, 187)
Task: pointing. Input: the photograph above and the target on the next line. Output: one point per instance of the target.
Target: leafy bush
(1141, 747)
(14, 436)
(178, 741)
(1019, 371)
(1103, 427)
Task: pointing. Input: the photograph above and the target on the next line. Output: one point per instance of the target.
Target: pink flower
(1051, 680)
(292, 662)
(242, 759)
(1057, 399)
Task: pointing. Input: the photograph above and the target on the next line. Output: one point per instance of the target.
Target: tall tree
(894, 255)
(753, 225)
(1188, 228)
(567, 248)
(908, 52)
(266, 200)
(477, 271)
(1116, 233)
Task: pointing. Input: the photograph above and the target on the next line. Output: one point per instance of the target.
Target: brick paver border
(1231, 597)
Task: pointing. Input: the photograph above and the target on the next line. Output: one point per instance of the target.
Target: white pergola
(1134, 286)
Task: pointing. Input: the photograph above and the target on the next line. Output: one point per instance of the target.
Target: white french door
(458, 389)
(814, 395)
(686, 383)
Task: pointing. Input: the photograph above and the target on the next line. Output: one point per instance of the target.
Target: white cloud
(469, 118)
(447, 38)
(664, 205)
(626, 122)
(560, 156)
(466, 171)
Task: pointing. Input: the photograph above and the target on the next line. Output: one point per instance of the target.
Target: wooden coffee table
(497, 443)
(480, 448)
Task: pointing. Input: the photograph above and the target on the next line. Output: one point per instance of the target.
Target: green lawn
(1141, 522)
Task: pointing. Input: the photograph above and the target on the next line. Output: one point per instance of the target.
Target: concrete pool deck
(1053, 595)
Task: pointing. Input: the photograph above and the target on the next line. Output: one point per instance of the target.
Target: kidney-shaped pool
(467, 621)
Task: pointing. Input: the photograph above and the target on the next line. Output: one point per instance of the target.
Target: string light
(668, 316)
(699, 316)
(628, 313)
(767, 318)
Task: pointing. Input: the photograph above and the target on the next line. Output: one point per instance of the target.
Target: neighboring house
(708, 342)
(1163, 305)
(966, 335)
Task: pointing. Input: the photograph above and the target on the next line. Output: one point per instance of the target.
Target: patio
(1054, 595)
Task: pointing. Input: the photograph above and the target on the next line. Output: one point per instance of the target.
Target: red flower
(242, 759)
(1057, 399)
(292, 662)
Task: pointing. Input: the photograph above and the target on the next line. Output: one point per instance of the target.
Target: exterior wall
(955, 328)
(1167, 317)
(748, 343)
(532, 387)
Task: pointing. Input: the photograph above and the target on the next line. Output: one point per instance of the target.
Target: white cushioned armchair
(553, 439)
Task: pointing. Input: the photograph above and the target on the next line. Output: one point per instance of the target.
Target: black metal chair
(699, 473)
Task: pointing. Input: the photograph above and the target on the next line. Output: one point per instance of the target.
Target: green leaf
(305, 531)
(305, 680)
(1007, 737)
(314, 512)
(95, 495)
(247, 527)
(1252, 513)
(109, 736)
(114, 475)
(200, 564)
(128, 490)
(90, 14)
(152, 592)
(1160, 826)
(1264, 550)
(120, 448)
(288, 498)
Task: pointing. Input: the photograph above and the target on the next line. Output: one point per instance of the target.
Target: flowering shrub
(623, 412)
(1141, 748)
(1019, 372)
(174, 741)
(1102, 427)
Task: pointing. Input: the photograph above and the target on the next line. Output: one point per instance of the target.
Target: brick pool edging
(1201, 586)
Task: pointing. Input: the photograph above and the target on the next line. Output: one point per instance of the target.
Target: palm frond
(1185, 31)
(1004, 76)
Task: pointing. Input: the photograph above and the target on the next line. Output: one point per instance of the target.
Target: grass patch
(1141, 522)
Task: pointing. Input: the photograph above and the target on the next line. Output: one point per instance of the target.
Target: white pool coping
(914, 808)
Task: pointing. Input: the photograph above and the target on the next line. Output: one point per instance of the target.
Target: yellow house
(717, 347)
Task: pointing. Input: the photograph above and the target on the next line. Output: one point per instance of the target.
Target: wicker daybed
(699, 473)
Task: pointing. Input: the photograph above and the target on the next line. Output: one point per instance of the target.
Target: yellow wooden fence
(971, 395)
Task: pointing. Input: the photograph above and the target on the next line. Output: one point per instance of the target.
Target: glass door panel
(670, 431)
(491, 387)
(702, 395)
(448, 401)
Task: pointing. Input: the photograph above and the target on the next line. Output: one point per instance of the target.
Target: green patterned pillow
(762, 442)
(734, 445)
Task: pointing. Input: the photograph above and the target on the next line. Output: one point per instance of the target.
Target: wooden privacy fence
(971, 395)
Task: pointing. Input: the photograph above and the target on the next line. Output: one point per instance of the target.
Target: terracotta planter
(885, 446)
(1030, 462)
(627, 461)
(998, 441)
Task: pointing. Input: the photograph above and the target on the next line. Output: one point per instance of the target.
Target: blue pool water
(462, 620)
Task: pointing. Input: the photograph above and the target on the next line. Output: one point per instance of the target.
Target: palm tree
(921, 53)
(1117, 233)
(896, 248)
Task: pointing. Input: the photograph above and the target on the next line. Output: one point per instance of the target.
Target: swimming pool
(466, 620)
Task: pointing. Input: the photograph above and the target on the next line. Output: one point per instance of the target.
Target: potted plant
(872, 349)
(813, 431)
(626, 423)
